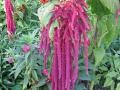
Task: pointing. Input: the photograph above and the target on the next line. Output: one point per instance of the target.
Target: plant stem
(91, 85)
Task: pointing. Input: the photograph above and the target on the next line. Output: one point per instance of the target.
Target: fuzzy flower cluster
(11, 28)
(68, 37)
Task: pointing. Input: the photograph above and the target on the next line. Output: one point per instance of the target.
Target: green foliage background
(25, 73)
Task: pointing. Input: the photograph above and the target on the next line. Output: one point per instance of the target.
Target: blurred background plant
(21, 64)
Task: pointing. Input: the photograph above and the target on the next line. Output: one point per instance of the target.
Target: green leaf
(112, 5)
(34, 88)
(98, 8)
(20, 2)
(118, 78)
(42, 82)
(44, 13)
(80, 87)
(113, 86)
(99, 54)
(117, 62)
(112, 31)
(102, 30)
(19, 68)
(107, 31)
(8, 83)
(19, 23)
(83, 76)
(118, 52)
(34, 73)
(112, 74)
(20, 14)
(108, 82)
(103, 68)
(16, 87)
(25, 82)
(118, 86)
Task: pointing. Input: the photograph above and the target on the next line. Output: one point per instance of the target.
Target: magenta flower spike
(11, 28)
(68, 35)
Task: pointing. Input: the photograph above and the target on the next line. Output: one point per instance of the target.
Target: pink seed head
(45, 72)
(26, 48)
(10, 60)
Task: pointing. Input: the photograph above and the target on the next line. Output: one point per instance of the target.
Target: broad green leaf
(117, 62)
(112, 31)
(107, 31)
(118, 86)
(44, 13)
(103, 68)
(112, 5)
(102, 30)
(108, 82)
(98, 8)
(112, 74)
(99, 54)
(118, 78)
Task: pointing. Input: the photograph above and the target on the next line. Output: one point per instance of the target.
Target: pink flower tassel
(11, 28)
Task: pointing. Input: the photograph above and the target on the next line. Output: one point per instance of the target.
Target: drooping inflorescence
(67, 40)
(11, 28)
